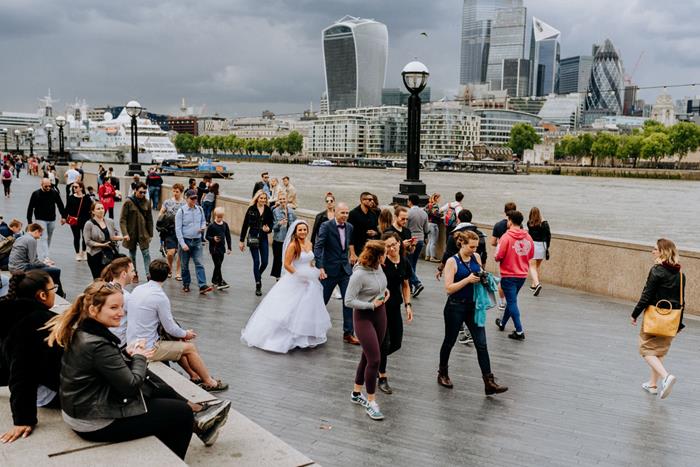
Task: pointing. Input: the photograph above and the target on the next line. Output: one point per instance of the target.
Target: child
(92, 195)
(219, 237)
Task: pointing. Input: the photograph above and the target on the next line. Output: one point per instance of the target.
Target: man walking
(499, 229)
(71, 176)
(331, 253)
(515, 250)
(42, 206)
(136, 222)
(189, 226)
(263, 184)
(364, 222)
(418, 225)
(290, 191)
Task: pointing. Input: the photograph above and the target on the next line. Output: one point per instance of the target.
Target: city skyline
(240, 58)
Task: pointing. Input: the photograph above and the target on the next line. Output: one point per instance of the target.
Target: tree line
(290, 144)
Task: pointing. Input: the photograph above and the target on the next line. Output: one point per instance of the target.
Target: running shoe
(465, 338)
(373, 411)
(222, 285)
(359, 399)
(537, 290)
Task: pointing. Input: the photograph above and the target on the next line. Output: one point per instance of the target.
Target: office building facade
(355, 53)
(507, 43)
(545, 55)
(575, 74)
(606, 88)
(448, 130)
(398, 96)
(515, 77)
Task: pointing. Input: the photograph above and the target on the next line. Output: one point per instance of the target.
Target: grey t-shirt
(85, 426)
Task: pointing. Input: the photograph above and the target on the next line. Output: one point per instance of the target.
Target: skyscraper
(574, 74)
(515, 77)
(507, 42)
(477, 20)
(545, 54)
(607, 86)
(355, 53)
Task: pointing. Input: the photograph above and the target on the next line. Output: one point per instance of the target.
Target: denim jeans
(146, 258)
(45, 240)
(433, 234)
(194, 252)
(260, 256)
(207, 207)
(456, 312)
(511, 286)
(154, 196)
(413, 259)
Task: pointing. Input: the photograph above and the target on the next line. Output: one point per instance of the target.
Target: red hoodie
(515, 250)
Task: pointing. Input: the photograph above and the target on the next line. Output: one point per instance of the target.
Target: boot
(443, 378)
(258, 289)
(490, 386)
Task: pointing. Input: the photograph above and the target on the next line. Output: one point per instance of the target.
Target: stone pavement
(574, 398)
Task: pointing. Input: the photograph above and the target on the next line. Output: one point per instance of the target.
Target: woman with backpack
(6, 180)
(538, 229)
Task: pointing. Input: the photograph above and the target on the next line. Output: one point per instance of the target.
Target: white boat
(321, 163)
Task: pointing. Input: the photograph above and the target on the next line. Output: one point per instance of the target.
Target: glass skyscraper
(355, 53)
(607, 87)
(516, 77)
(575, 74)
(478, 17)
(545, 54)
(507, 42)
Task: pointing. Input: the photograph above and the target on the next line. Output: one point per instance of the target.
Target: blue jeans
(260, 256)
(45, 240)
(194, 252)
(154, 196)
(413, 259)
(207, 207)
(146, 258)
(511, 286)
(329, 284)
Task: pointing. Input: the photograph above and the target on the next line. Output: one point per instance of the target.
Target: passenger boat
(321, 163)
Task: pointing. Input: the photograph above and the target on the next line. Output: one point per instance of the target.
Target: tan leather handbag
(659, 321)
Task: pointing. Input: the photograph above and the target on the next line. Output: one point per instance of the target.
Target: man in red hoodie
(515, 250)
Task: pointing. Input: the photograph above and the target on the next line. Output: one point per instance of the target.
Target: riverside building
(448, 130)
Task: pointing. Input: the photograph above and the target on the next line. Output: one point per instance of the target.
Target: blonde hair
(372, 253)
(220, 211)
(62, 327)
(464, 237)
(668, 252)
(257, 195)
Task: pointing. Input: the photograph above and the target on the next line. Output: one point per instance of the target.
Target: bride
(293, 313)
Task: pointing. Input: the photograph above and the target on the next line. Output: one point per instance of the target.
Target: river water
(635, 210)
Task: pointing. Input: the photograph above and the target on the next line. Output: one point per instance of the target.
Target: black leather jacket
(96, 380)
(663, 283)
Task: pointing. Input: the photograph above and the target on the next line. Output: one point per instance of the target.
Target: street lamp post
(30, 136)
(133, 108)
(415, 78)
(61, 122)
(4, 134)
(48, 128)
(17, 133)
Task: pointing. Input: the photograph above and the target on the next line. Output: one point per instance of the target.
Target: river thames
(634, 210)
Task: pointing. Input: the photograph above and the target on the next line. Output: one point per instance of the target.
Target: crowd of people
(91, 360)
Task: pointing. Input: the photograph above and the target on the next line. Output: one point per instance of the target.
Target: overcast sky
(240, 57)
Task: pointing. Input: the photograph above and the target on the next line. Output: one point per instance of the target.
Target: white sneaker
(373, 411)
(78, 257)
(84, 255)
(650, 389)
(666, 386)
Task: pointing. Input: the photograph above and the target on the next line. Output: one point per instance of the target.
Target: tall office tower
(507, 42)
(515, 77)
(607, 86)
(478, 17)
(355, 53)
(545, 54)
(574, 74)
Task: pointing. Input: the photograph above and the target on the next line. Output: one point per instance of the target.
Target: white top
(149, 306)
(72, 176)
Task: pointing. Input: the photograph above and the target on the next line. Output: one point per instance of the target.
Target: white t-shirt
(72, 176)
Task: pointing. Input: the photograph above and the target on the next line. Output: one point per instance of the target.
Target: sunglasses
(141, 192)
(110, 286)
(329, 200)
(193, 197)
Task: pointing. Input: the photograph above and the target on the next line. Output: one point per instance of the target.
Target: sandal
(198, 382)
(220, 386)
(178, 277)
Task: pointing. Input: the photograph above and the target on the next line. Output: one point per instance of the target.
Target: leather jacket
(663, 283)
(96, 380)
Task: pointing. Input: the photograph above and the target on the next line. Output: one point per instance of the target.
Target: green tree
(604, 145)
(655, 146)
(522, 137)
(184, 142)
(652, 126)
(295, 142)
(630, 148)
(280, 144)
(684, 138)
(565, 147)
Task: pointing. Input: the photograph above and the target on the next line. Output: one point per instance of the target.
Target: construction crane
(628, 77)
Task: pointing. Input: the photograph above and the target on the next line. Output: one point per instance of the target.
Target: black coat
(43, 204)
(254, 222)
(663, 283)
(451, 248)
(96, 380)
(321, 217)
(25, 358)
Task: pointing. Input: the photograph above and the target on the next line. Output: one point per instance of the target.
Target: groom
(331, 252)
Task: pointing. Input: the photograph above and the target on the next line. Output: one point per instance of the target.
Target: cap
(190, 194)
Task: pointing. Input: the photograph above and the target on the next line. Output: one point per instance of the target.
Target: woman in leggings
(398, 272)
(366, 295)
(461, 273)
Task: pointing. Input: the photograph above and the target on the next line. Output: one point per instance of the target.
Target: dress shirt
(341, 232)
(189, 223)
(149, 307)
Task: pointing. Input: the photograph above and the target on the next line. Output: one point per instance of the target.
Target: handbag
(73, 220)
(660, 321)
(254, 241)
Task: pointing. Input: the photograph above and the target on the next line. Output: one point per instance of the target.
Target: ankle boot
(258, 289)
(443, 378)
(490, 386)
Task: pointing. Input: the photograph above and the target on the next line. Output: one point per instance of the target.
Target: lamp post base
(411, 187)
(135, 169)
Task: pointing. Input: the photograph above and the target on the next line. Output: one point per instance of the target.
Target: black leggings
(77, 234)
(95, 264)
(218, 259)
(6, 185)
(169, 420)
(458, 311)
(394, 332)
(370, 326)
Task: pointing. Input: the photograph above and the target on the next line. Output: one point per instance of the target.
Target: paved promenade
(574, 398)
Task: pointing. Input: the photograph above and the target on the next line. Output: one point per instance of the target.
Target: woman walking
(367, 295)
(323, 216)
(78, 210)
(209, 201)
(283, 216)
(107, 193)
(434, 218)
(6, 180)
(169, 238)
(541, 236)
(461, 272)
(665, 282)
(257, 223)
(99, 234)
(101, 394)
(398, 272)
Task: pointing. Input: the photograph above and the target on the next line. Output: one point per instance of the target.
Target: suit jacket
(328, 251)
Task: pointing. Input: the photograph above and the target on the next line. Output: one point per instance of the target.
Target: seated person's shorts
(168, 351)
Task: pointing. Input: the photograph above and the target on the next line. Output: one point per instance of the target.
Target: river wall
(603, 267)
(619, 172)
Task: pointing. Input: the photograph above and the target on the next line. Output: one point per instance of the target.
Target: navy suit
(333, 258)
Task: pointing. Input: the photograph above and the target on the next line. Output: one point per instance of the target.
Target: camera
(483, 278)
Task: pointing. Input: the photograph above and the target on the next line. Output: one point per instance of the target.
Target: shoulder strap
(681, 273)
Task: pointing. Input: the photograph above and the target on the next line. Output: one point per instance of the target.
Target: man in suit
(331, 252)
(263, 184)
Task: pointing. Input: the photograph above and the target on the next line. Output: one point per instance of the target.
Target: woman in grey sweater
(99, 234)
(366, 295)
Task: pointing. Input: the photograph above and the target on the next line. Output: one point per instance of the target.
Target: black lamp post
(4, 133)
(17, 133)
(30, 137)
(133, 108)
(61, 122)
(415, 78)
(48, 128)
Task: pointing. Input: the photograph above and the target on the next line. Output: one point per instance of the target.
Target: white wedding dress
(292, 314)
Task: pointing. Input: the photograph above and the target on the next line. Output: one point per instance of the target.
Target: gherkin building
(606, 88)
